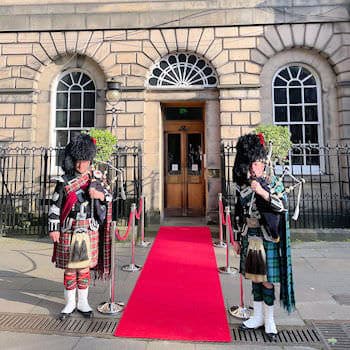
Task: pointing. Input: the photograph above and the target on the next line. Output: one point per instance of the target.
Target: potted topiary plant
(280, 138)
(105, 144)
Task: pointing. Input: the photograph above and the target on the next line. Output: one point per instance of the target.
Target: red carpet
(178, 294)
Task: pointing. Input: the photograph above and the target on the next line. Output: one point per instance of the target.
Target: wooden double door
(184, 168)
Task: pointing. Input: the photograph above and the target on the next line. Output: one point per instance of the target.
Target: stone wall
(238, 54)
(19, 15)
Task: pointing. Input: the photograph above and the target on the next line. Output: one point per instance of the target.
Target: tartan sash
(71, 188)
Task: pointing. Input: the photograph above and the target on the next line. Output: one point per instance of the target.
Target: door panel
(184, 181)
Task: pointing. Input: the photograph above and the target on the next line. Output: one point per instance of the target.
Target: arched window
(182, 70)
(296, 104)
(75, 106)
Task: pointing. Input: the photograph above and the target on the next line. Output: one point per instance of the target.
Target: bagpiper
(79, 224)
(262, 216)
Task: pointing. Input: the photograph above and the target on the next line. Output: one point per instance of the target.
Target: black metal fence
(26, 186)
(325, 197)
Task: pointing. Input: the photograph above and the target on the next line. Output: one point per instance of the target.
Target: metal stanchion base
(110, 308)
(239, 312)
(219, 244)
(228, 270)
(131, 267)
(143, 244)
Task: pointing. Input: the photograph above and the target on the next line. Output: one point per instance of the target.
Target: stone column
(212, 152)
(152, 160)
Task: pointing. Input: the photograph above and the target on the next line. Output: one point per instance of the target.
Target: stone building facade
(256, 62)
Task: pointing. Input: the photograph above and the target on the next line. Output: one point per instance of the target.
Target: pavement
(30, 284)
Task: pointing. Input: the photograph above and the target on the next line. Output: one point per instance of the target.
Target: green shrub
(280, 137)
(105, 143)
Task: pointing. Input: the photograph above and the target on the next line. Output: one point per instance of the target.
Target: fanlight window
(75, 106)
(182, 70)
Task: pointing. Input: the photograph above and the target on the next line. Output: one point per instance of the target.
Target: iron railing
(325, 198)
(26, 186)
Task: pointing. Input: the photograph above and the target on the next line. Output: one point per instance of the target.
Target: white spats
(257, 320)
(270, 326)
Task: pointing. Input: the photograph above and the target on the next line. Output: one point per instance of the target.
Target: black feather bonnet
(249, 148)
(81, 147)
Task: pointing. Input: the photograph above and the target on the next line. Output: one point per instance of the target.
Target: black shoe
(271, 336)
(243, 327)
(64, 315)
(87, 314)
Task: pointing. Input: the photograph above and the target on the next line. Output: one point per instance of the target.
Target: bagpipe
(276, 185)
(269, 213)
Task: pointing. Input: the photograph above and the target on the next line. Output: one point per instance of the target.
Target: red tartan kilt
(62, 250)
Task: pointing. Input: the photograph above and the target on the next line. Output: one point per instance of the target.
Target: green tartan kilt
(272, 256)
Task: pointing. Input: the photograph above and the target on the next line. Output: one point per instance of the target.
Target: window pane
(285, 74)
(294, 70)
(280, 114)
(75, 100)
(75, 118)
(62, 100)
(310, 81)
(67, 79)
(74, 133)
(194, 154)
(163, 64)
(89, 100)
(62, 87)
(192, 59)
(311, 134)
(88, 121)
(280, 82)
(61, 119)
(174, 154)
(76, 76)
(153, 81)
(310, 95)
(84, 79)
(208, 71)
(294, 95)
(311, 113)
(200, 64)
(313, 157)
(76, 88)
(296, 113)
(296, 159)
(172, 59)
(183, 113)
(304, 73)
(182, 57)
(212, 80)
(90, 86)
(297, 133)
(280, 96)
(62, 138)
(295, 83)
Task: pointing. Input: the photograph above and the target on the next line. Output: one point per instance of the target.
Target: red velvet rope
(221, 212)
(123, 238)
(138, 213)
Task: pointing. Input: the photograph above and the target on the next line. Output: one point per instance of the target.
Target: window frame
(302, 168)
(53, 129)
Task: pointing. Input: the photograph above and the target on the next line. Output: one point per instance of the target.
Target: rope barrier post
(111, 307)
(132, 267)
(227, 269)
(240, 311)
(220, 243)
(143, 243)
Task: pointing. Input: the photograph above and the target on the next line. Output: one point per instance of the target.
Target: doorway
(183, 161)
